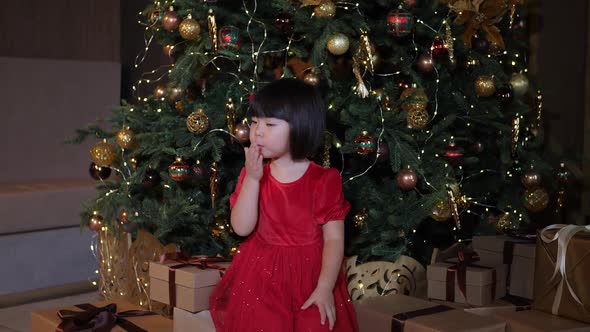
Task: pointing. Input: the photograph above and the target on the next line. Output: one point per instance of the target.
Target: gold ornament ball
(103, 154)
(197, 122)
(311, 78)
(530, 179)
(123, 215)
(414, 99)
(189, 29)
(536, 200)
(125, 138)
(441, 211)
(360, 218)
(159, 91)
(417, 119)
(406, 179)
(175, 94)
(338, 44)
(242, 133)
(95, 222)
(503, 223)
(485, 86)
(326, 8)
(520, 84)
(133, 162)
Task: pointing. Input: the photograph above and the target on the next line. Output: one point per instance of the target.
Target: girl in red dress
(287, 275)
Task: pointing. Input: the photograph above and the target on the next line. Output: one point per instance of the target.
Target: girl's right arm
(244, 214)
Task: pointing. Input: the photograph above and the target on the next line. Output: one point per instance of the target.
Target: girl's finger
(306, 304)
(322, 314)
(332, 318)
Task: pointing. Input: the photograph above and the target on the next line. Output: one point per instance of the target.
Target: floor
(18, 319)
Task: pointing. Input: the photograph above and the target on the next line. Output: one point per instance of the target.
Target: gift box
(507, 303)
(537, 321)
(518, 254)
(189, 321)
(397, 313)
(562, 267)
(116, 316)
(186, 284)
(469, 283)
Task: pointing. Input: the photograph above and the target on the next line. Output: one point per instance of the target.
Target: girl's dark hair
(301, 105)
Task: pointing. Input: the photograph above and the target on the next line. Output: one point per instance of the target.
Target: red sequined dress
(278, 266)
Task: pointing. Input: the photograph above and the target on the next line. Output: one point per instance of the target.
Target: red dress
(277, 267)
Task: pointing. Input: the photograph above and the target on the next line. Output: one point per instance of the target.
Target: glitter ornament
(178, 170)
(364, 143)
(189, 29)
(103, 154)
(197, 122)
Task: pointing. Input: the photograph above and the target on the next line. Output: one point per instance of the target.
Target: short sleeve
(329, 202)
(234, 196)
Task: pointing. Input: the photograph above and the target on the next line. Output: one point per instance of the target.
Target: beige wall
(61, 29)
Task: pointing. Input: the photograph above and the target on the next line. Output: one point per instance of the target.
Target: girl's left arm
(332, 254)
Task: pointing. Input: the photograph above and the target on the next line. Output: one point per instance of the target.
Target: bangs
(268, 105)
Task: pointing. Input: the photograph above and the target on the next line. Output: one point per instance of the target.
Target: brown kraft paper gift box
(48, 320)
(191, 287)
(518, 254)
(187, 321)
(554, 293)
(537, 321)
(483, 285)
(400, 313)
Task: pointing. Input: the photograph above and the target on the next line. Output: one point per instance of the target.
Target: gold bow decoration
(481, 15)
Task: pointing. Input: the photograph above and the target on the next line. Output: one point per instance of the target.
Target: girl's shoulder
(320, 173)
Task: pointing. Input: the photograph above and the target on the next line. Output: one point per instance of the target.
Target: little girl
(287, 275)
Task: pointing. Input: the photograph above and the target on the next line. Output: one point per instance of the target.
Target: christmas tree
(431, 120)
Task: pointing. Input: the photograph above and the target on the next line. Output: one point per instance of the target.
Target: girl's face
(271, 135)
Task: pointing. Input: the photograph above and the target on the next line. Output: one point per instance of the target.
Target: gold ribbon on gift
(563, 236)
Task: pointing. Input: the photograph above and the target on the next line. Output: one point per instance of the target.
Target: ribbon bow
(202, 262)
(98, 319)
(481, 15)
(563, 236)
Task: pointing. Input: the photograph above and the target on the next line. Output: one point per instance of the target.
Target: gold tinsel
(365, 53)
(453, 206)
(213, 182)
(326, 156)
(448, 40)
(212, 25)
(538, 124)
(123, 266)
(515, 134)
